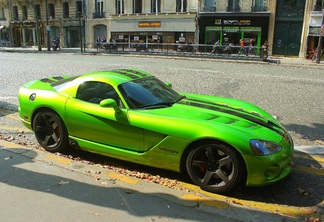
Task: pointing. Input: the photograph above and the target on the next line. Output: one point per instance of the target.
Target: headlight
(264, 148)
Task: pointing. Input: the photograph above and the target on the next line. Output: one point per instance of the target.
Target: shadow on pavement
(20, 170)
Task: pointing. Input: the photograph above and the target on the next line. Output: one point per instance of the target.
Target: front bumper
(265, 170)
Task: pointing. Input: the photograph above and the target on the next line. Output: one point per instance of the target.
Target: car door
(103, 125)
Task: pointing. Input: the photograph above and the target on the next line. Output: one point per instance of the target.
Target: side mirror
(110, 103)
(168, 84)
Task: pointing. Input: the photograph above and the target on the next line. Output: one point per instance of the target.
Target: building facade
(291, 27)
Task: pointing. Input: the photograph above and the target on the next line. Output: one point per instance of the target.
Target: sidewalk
(41, 186)
(271, 59)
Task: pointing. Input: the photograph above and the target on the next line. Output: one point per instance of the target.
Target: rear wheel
(216, 167)
(50, 131)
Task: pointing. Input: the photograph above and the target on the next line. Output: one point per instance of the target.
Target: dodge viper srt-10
(131, 115)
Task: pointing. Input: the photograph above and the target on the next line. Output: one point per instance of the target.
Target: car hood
(223, 111)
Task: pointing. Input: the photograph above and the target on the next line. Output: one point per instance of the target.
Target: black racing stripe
(125, 73)
(231, 111)
(47, 80)
(136, 72)
(58, 78)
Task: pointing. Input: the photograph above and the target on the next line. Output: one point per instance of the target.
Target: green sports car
(131, 115)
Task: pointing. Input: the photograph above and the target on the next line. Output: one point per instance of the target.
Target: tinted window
(95, 92)
(146, 92)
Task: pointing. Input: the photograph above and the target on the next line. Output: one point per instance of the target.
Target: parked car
(131, 115)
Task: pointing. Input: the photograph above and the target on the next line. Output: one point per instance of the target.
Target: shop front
(71, 33)
(229, 28)
(144, 30)
(25, 33)
(315, 30)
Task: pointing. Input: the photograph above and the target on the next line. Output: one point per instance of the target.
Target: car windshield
(148, 93)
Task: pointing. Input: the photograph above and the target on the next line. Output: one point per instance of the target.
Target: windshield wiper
(180, 98)
(158, 105)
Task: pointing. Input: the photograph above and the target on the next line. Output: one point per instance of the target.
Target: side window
(95, 92)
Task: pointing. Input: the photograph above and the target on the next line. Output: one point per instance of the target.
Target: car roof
(115, 77)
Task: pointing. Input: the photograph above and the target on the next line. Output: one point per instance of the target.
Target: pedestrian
(58, 43)
(242, 48)
(250, 47)
(98, 43)
(264, 50)
(104, 40)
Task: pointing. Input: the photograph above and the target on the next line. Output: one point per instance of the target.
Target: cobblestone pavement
(292, 90)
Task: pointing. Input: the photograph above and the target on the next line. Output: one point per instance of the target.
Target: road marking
(121, 177)
(205, 201)
(6, 144)
(15, 129)
(308, 157)
(58, 159)
(268, 207)
(319, 172)
(9, 114)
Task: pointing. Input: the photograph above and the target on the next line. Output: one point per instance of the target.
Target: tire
(50, 131)
(215, 168)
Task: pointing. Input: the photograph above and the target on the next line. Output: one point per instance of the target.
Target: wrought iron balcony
(99, 15)
(208, 9)
(259, 8)
(233, 8)
(318, 7)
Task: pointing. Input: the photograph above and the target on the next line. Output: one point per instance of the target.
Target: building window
(51, 11)
(2, 15)
(259, 5)
(181, 6)
(233, 6)
(37, 11)
(119, 7)
(155, 6)
(24, 12)
(319, 5)
(99, 7)
(15, 13)
(291, 9)
(137, 6)
(79, 10)
(65, 9)
(209, 6)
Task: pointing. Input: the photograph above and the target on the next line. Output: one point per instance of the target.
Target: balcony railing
(233, 8)
(318, 7)
(259, 8)
(208, 9)
(99, 15)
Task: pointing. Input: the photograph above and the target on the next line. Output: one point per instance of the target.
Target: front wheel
(50, 131)
(215, 168)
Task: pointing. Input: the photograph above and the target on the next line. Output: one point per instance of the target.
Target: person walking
(98, 43)
(242, 48)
